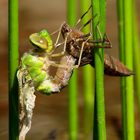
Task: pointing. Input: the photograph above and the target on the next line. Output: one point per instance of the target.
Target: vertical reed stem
(128, 28)
(120, 5)
(136, 44)
(88, 75)
(13, 64)
(126, 44)
(99, 8)
(73, 111)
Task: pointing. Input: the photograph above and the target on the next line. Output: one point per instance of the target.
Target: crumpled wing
(114, 67)
(26, 102)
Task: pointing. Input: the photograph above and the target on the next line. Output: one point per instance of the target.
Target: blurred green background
(51, 115)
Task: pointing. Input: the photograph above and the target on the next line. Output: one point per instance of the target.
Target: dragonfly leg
(79, 60)
(81, 51)
(56, 44)
(97, 28)
(54, 32)
(58, 36)
(102, 42)
(59, 44)
(83, 15)
(57, 31)
(64, 48)
(88, 22)
(103, 38)
(107, 41)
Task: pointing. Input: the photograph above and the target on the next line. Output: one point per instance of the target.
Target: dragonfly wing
(114, 67)
(26, 101)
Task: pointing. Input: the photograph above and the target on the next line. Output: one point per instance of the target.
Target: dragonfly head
(42, 41)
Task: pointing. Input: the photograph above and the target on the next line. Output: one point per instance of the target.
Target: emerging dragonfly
(81, 46)
(33, 75)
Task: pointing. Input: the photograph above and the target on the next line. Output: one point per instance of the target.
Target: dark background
(51, 114)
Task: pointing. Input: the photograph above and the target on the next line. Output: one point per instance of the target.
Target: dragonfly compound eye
(42, 43)
(39, 41)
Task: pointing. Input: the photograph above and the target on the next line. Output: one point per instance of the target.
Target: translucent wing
(26, 101)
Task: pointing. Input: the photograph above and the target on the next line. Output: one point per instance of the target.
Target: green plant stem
(126, 49)
(88, 75)
(71, 12)
(13, 64)
(128, 37)
(120, 5)
(73, 111)
(99, 8)
(136, 49)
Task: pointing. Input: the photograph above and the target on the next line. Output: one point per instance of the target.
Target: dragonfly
(82, 46)
(33, 75)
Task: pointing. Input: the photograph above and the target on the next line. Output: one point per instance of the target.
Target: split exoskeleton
(81, 46)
